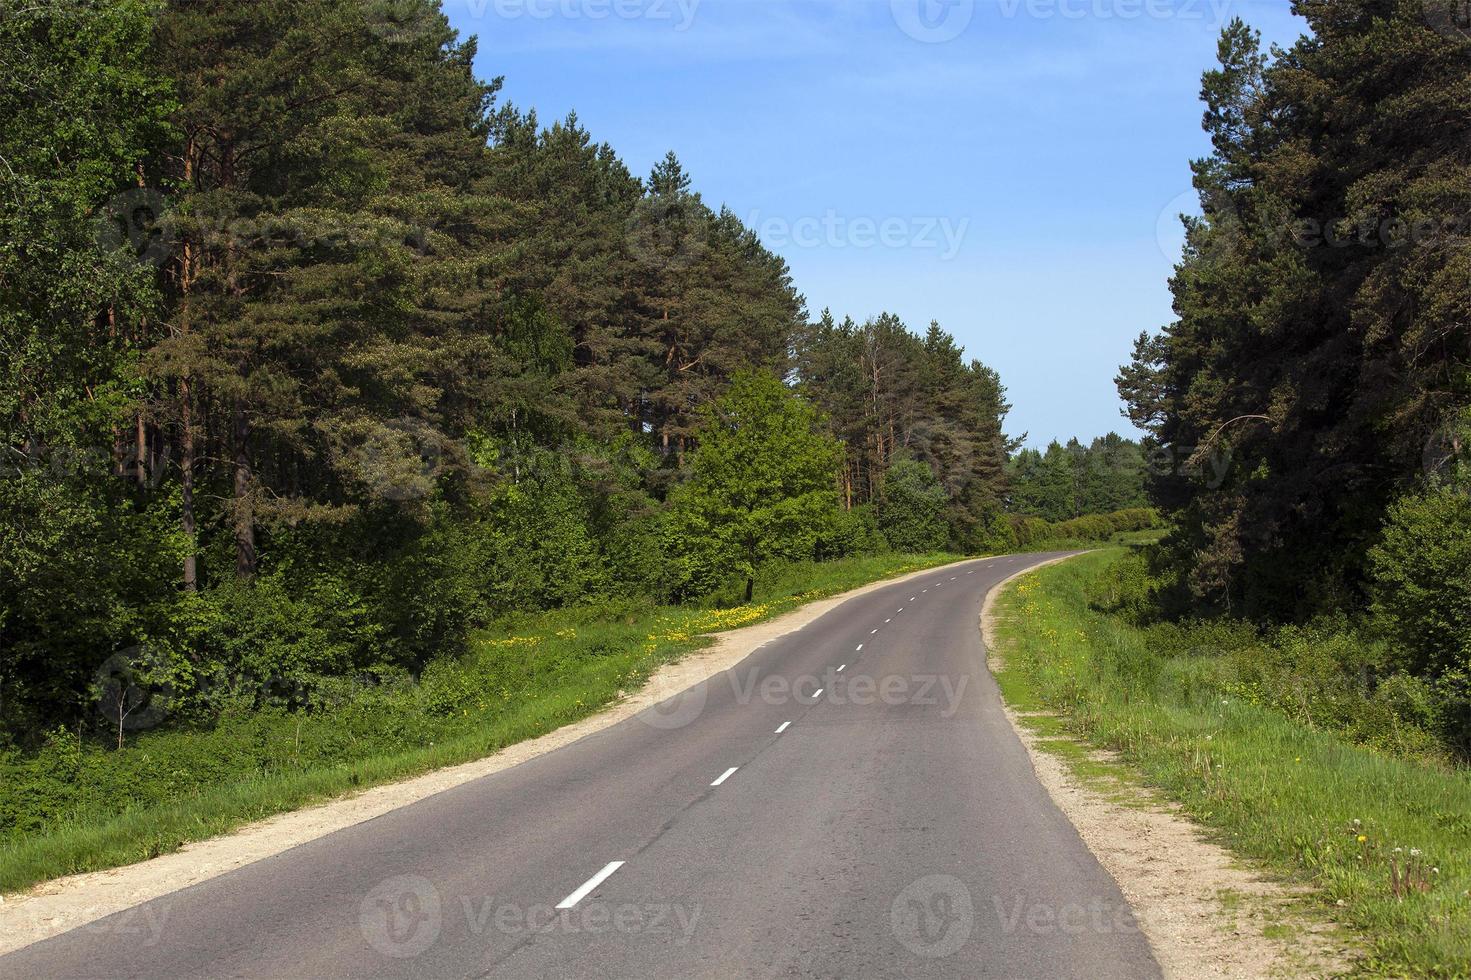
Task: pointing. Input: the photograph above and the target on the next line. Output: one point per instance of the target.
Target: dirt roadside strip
(1203, 914)
(56, 906)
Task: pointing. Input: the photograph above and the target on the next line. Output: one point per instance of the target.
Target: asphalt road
(848, 801)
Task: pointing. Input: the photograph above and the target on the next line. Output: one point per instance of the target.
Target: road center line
(815, 695)
(725, 775)
(858, 647)
(872, 631)
(591, 883)
(911, 598)
(888, 620)
(782, 727)
(841, 668)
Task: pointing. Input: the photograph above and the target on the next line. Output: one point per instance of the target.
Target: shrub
(1421, 581)
(912, 515)
(1126, 588)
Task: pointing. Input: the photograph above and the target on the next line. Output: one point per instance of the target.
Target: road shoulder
(1202, 912)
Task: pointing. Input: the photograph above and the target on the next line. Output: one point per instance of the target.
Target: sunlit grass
(1309, 806)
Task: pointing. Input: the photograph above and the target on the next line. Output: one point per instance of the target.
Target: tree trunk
(750, 587)
(244, 509)
(187, 521)
(186, 486)
(141, 460)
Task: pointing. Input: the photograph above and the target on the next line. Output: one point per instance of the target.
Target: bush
(1126, 588)
(1421, 581)
(854, 532)
(912, 515)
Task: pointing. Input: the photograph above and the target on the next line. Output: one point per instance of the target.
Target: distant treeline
(1074, 480)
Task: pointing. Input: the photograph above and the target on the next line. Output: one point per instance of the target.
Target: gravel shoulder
(1203, 913)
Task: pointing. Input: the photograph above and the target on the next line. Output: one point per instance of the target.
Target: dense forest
(1069, 481)
(317, 356)
(1322, 350)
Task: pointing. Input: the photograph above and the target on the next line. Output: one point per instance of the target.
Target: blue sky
(1009, 168)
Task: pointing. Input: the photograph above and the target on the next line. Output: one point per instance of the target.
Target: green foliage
(890, 395)
(1421, 581)
(1075, 480)
(1272, 740)
(912, 508)
(1034, 532)
(1320, 364)
(358, 369)
(762, 486)
(539, 551)
(309, 386)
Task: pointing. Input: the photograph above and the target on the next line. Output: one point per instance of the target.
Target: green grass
(1303, 804)
(77, 807)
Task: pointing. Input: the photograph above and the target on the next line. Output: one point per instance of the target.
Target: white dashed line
(911, 598)
(725, 775)
(888, 620)
(781, 728)
(840, 668)
(872, 631)
(817, 694)
(594, 881)
(858, 647)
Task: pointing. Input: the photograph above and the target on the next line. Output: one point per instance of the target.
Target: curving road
(848, 801)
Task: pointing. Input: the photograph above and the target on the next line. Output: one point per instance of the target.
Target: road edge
(61, 904)
(1175, 879)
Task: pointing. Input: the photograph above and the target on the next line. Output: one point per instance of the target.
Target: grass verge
(1383, 842)
(75, 807)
